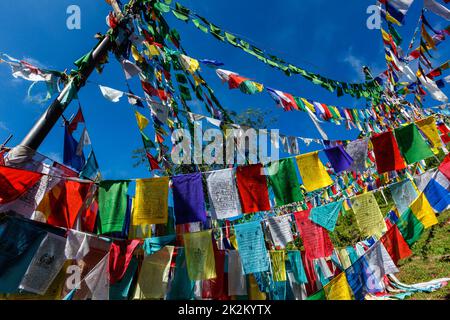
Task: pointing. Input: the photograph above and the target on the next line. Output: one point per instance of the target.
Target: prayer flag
(70, 152)
(313, 172)
(278, 265)
(423, 211)
(223, 194)
(252, 248)
(368, 215)
(284, 182)
(280, 230)
(252, 188)
(327, 215)
(340, 160)
(296, 265)
(188, 198)
(411, 144)
(15, 182)
(387, 154)
(338, 288)
(151, 202)
(237, 284)
(154, 275)
(315, 239)
(141, 121)
(199, 255)
(181, 287)
(403, 194)
(112, 201)
(120, 255)
(395, 245)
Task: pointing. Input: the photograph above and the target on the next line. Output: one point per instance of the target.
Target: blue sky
(327, 37)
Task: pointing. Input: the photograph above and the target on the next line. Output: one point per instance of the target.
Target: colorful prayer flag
(199, 255)
(411, 144)
(252, 188)
(112, 201)
(188, 198)
(313, 172)
(387, 153)
(368, 215)
(284, 182)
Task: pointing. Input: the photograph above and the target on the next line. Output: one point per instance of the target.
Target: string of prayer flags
(397, 9)
(237, 284)
(368, 215)
(327, 215)
(284, 182)
(395, 245)
(313, 172)
(338, 288)
(154, 275)
(252, 248)
(277, 258)
(411, 143)
(429, 129)
(188, 198)
(151, 202)
(280, 230)
(112, 200)
(252, 188)
(340, 160)
(45, 266)
(403, 193)
(15, 182)
(223, 194)
(315, 238)
(235, 81)
(437, 8)
(199, 255)
(387, 153)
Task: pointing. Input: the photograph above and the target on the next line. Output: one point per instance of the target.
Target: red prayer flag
(15, 182)
(120, 255)
(252, 187)
(217, 288)
(315, 238)
(67, 203)
(89, 217)
(79, 118)
(235, 80)
(153, 163)
(387, 153)
(395, 244)
(308, 264)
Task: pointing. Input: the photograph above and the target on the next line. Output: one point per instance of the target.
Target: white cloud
(3, 126)
(355, 62)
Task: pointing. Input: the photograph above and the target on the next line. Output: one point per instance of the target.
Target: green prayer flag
(148, 144)
(284, 182)
(410, 227)
(180, 16)
(84, 60)
(411, 143)
(320, 295)
(162, 7)
(200, 26)
(112, 203)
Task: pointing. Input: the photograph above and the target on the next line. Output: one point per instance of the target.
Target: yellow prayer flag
(151, 201)
(189, 64)
(253, 290)
(368, 215)
(313, 172)
(423, 211)
(308, 105)
(141, 121)
(154, 275)
(135, 53)
(278, 265)
(385, 35)
(429, 128)
(199, 255)
(338, 288)
(344, 257)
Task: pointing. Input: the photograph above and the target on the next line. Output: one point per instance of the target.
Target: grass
(430, 260)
